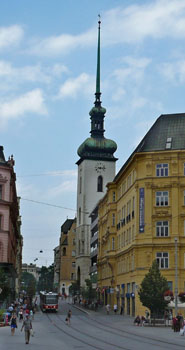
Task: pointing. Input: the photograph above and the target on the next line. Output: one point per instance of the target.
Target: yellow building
(67, 255)
(141, 214)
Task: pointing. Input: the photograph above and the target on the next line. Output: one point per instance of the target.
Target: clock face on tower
(99, 167)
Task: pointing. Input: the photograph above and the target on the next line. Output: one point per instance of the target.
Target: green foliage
(4, 285)
(88, 292)
(28, 283)
(46, 278)
(74, 289)
(152, 290)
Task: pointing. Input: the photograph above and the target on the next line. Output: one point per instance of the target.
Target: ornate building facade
(142, 214)
(10, 224)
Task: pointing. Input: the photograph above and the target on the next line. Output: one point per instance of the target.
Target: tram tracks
(130, 334)
(127, 335)
(115, 347)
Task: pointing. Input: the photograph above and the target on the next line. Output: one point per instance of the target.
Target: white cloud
(134, 23)
(174, 71)
(10, 36)
(35, 73)
(82, 84)
(68, 186)
(133, 68)
(154, 19)
(31, 102)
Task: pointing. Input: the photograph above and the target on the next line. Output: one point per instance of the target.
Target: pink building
(10, 223)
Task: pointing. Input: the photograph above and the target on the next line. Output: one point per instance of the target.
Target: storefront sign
(141, 209)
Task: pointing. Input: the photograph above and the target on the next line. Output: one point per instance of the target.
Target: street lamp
(176, 276)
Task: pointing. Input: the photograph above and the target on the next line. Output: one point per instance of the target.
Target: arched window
(100, 184)
(64, 251)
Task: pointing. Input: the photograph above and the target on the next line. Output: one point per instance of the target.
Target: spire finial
(98, 93)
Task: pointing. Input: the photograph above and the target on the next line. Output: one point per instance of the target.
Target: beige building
(67, 255)
(31, 268)
(141, 214)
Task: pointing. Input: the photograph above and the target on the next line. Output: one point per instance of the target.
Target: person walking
(27, 325)
(115, 308)
(13, 323)
(108, 308)
(69, 314)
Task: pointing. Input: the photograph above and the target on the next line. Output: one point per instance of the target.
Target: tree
(4, 285)
(152, 290)
(28, 282)
(74, 289)
(46, 278)
(88, 292)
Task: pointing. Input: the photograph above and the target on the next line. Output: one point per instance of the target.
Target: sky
(48, 53)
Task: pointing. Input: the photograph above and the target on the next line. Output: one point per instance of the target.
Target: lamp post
(176, 276)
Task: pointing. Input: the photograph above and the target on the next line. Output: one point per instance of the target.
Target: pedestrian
(20, 314)
(13, 323)
(27, 325)
(68, 318)
(121, 310)
(115, 308)
(31, 315)
(108, 308)
(137, 320)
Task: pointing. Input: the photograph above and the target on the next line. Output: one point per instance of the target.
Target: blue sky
(47, 72)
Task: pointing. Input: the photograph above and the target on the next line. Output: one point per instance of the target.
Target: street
(92, 330)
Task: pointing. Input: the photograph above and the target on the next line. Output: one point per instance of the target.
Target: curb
(79, 308)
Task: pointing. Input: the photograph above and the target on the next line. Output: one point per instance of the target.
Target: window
(114, 196)
(100, 184)
(73, 253)
(74, 241)
(184, 168)
(80, 188)
(184, 198)
(0, 222)
(162, 228)
(1, 191)
(162, 170)
(169, 143)
(161, 199)
(73, 264)
(170, 285)
(113, 220)
(113, 243)
(72, 276)
(79, 216)
(64, 251)
(162, 260)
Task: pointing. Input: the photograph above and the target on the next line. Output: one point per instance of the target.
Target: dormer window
(169, 143)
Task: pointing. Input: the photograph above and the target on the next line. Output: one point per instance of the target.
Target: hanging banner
(141, 209)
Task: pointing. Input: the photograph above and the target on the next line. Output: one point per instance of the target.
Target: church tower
(96, 167)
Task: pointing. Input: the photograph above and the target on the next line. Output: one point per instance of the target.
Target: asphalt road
(90, 331)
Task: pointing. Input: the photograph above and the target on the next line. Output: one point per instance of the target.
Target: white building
(96, 167)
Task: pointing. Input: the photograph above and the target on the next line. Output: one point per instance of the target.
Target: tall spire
(97, 147)
(98, 93)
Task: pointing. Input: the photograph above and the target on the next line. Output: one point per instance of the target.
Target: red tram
(48, 301)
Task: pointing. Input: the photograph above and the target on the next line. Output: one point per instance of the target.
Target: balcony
(94, 238)
(94, 253)
(93, 268)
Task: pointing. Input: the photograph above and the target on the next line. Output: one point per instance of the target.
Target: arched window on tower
(100, 184)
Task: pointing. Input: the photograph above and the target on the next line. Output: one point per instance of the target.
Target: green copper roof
(97, 148)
